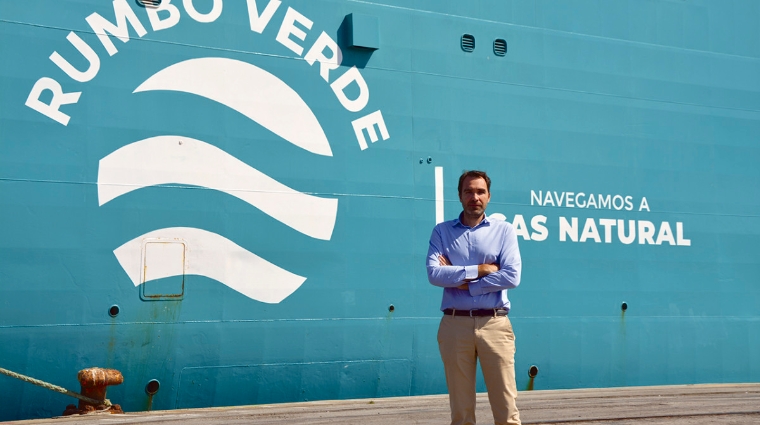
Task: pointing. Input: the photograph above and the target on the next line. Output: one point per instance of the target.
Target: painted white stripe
(216, 257)
(182, 160)
(247, 89)
(438, 195)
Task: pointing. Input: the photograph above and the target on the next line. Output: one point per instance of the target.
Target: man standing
(476, 260)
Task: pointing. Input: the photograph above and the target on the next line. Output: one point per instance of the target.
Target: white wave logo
(167, 159)
(175, 159)
(216, 257)
(253, 92)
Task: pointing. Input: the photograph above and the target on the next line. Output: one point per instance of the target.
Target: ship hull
(258, 206)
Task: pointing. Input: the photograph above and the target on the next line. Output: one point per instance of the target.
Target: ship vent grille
(468, 43)
(149, 3)
(500, 47)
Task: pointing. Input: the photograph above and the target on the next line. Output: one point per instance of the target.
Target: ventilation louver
(149, 3)
(468, 43)
(500, 47)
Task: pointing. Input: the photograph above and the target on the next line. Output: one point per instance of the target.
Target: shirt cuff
(471, 272)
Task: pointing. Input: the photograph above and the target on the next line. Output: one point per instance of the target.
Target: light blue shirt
(491, 241)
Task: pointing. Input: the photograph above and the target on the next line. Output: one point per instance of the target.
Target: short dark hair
(473, 174)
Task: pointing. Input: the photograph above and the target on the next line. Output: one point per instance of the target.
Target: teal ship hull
(235, 198)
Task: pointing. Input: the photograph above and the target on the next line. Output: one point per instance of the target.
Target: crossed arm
(477, 279)
(483, 270)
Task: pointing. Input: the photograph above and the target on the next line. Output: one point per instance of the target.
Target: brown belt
(477, 312)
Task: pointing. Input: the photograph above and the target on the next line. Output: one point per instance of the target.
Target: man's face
(474, 196)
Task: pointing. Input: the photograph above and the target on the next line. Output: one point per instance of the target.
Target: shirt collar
(458, 222)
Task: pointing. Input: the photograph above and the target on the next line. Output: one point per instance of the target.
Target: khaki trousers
(462, 340)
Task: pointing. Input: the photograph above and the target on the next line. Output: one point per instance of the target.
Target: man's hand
(486, 269)
(483, 270)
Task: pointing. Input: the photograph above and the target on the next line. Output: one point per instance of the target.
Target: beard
(474, 210)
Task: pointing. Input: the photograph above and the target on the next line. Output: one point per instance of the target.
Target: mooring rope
(55, 388)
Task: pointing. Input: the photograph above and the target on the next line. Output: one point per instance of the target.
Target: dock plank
(729, 404)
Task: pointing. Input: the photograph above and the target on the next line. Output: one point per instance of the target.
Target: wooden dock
(674, 405)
